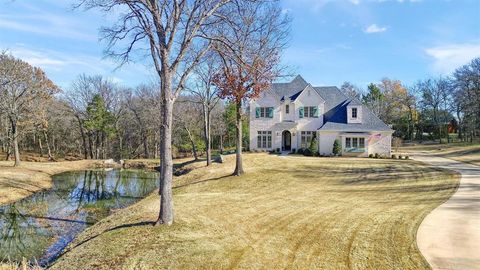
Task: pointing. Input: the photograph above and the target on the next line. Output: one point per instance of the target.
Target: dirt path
(449, 237)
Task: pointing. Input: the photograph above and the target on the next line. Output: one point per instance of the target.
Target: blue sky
(360, 41)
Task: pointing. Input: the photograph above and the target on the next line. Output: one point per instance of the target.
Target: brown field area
(464, 152)
(285, 212)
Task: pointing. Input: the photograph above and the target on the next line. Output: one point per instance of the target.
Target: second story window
(264, 112)
(354, 112)
(287, 109)
(311, 111)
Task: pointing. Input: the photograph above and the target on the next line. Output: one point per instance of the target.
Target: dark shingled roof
(291, 89)
(335, 117)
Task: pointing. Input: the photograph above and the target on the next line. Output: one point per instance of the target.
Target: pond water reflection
(40, 226)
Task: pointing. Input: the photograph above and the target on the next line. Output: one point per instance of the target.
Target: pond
(40, 226)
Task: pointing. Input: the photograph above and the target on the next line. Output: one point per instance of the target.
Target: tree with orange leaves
(250, 56)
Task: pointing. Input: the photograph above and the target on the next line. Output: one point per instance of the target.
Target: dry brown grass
(464, 152)
(19, 182)
(286, 212)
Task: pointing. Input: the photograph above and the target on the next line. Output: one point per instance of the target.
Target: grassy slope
(19, 182)
(286, 212)
(465, 152)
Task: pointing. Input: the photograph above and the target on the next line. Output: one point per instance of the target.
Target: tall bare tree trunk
(8, 150)
(192, 141)
(206, 133)
(238, 158)
(40, 146)
(221, 143)
(49, 152)
(166, 167)
(15, 142)
(84, 139)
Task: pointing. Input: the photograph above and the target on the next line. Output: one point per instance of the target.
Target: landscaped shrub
(278, 150)
(336, 147)
(394, 156)
(400, 156)
(294, 150)
(377, 155)
(407, 157)
(370, 156)
(313, 146)
(300, 151)
(307, 152)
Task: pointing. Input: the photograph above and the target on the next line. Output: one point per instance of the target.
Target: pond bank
(39, 226)
(19, 182)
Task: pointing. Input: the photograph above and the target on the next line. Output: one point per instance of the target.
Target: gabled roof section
(282, 90)
(354, 102)
(294, 97)
(335, 117)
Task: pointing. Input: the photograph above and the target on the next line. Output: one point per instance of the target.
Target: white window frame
(264, 139)
(306, 138)
(308, 111)
(355, 116)
(355, 143)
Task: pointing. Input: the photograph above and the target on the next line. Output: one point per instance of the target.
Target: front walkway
(449, 237)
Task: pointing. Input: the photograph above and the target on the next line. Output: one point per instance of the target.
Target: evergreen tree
(336, 147)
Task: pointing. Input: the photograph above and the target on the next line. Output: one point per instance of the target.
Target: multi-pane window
(306, 138)
(287, 108)
(355, 143)
(348, 142)
(264, 139)
(309, 111)
(354, 112)
(361, 142)
(264, 112)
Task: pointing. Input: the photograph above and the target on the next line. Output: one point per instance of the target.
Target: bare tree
(187, 112)
(174, 33)
(432, 92)
(21, 84)
(351, 90)
(250, 52)
(203, 88)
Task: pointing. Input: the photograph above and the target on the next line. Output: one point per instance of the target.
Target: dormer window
(287, 109)
(354, 113)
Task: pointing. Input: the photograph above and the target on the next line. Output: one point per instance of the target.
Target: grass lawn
(29, 177)
(285, 212)
(465, 152)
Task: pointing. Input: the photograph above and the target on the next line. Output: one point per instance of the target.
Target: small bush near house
(407, 157)
(394, 156)
(278, 150)
(300, 151)
(313, 146)
(377, 155)
(336, 147)
(370, 156)
(307, 152)
(400, 156)
(294, 150)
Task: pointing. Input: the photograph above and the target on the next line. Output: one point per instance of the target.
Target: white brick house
(289, 115)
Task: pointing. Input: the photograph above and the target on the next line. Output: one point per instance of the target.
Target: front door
(287, 141)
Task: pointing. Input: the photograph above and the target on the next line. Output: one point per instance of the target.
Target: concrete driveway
(449, 237)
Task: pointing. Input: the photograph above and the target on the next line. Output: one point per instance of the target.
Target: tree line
(444, 108)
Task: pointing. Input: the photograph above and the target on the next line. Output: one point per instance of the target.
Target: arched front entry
(286, 140)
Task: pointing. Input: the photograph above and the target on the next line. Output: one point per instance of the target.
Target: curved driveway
(449, 237)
